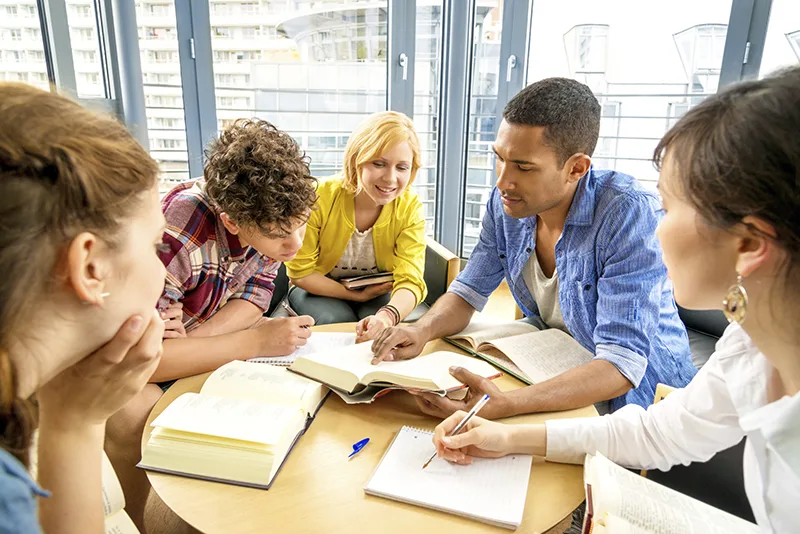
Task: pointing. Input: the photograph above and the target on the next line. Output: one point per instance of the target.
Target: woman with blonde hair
(366, 221)
(79, 335)
(730, 186)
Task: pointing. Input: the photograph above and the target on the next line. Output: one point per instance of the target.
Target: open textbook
(521, 349)
(622, 502)
(351, 370)
(240, 427)
(489, 490)
(116, 519)
(318, 342)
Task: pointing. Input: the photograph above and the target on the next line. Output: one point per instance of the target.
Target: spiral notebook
(318, 342)
(492, 491)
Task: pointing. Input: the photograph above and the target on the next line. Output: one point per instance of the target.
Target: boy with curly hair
(227, 235)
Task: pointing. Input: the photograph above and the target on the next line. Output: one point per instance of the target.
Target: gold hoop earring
(734, 305)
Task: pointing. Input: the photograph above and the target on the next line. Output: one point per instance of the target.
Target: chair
(441, 268)
(704, 327)
(718, 482)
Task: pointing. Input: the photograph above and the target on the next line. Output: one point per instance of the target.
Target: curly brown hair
(259, 177)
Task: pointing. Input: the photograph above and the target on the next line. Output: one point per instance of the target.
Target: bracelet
(392, 311)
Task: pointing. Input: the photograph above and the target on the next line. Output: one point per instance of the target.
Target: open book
(490, 490)
(239, 429)
(350, 370)
(622, 502)
(117, 520)
(318, 342)
(522, 350)
(356, 282)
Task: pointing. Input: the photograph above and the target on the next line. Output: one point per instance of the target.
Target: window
(15, 56)
(11, 11)
(86, 56)
(28, 11)
(782, 44)
(645, 67)
(299, 68)
(15, 35)
(33, 34)
(82, 34)
(162, 56)
(83, 11)
(161, 78)
(159, 10)
(22, 61)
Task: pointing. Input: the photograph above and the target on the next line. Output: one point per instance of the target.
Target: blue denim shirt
(18, 512)
(615, 297)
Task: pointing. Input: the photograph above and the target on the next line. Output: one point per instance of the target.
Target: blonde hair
(372, 138)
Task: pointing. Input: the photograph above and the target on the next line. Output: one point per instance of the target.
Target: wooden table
(320, 490)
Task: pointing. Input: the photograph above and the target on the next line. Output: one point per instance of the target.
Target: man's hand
(498, 406)
(173, 321)
(370, 292)
(282, 335)
(401, 342)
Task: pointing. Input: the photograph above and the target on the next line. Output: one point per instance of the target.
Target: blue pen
(358, 446)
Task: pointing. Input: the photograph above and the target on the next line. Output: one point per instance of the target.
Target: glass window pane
(482, 119)
(161, 74)
(426, 103)
(782, 47)
(645, 70)
(85, 42)
(322, 64)
(21, 46)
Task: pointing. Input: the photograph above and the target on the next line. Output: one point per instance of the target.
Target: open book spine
(466, 348)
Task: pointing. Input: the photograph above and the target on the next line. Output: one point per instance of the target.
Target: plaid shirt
(207, 265)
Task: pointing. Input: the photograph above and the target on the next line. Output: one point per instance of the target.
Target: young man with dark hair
(227, 235)
(578, 249)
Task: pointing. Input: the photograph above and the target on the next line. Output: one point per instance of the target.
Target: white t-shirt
(358, 257)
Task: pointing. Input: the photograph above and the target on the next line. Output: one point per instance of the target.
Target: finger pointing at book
(398, 343)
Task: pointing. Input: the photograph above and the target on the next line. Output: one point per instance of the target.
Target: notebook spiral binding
(417, 430)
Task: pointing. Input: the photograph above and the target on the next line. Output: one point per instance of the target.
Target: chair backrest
(281, 290)
(709, 322)
(441, 268)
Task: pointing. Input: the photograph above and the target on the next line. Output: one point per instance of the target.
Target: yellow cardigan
(398, 236)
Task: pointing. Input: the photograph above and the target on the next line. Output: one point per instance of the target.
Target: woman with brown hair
(730, 185)
(80, 225)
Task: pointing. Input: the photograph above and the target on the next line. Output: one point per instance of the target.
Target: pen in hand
(289, 310)
(478, 405)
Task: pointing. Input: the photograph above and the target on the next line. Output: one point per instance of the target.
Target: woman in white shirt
(730, 184)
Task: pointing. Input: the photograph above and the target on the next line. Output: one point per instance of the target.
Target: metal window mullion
(757, 35)
(58, 46)
(124, 65)
(514, 42)
(402, 15)
(458, 28)
(733, 55)
(194, 48)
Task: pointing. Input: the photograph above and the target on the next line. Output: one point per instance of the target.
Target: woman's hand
(96, 387)
(173, 321)
(370, 327)
(480, 438)
(370, 292)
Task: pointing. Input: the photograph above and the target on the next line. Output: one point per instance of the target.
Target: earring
(734, 305)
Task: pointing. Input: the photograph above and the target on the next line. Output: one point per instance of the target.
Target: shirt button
(502, 256)
(528, 250)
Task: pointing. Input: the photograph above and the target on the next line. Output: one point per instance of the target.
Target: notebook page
(492, 491)
(318, 342)
(543, 355)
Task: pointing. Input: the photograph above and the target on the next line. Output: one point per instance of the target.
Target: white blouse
(724, 402)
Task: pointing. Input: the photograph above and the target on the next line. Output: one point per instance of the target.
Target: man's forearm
(235, 315)
(189, 356)
(449, 315)
(587, 384)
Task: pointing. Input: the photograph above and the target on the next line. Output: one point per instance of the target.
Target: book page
(229, 418)
(434, 367)
(543, 355)
(654, 507)
(490, 490)
(262, 383)
(481, 330)
(113, 498)
(318, 342)
(120, 523)
(503, 361)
